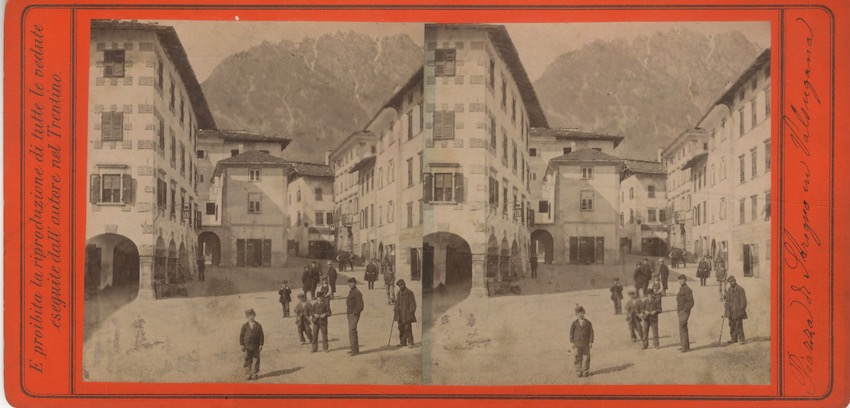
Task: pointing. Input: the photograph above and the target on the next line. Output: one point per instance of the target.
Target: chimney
(328, 157)
(660, 150)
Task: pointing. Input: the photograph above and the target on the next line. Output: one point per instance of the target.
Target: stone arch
(542, 243)
(210, 246)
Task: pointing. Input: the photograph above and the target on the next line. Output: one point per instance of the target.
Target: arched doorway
(516, 265)
(451, 260)
(211, 247)
(504, 261)
(183, 272)
(492, 257)
(160, 260)
(171, 263)
(111, 260)
(542, 244)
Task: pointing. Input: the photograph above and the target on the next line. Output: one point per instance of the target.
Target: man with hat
(632, 316)
(303, 315)
(405, 314)
(581, 337)
(665, 274)
(735, 310)
(354, 306)
(720, 274)
(684, 304)
(332, 275)
(321, 312)
(389, 279)
(251, 339)
(651, 309)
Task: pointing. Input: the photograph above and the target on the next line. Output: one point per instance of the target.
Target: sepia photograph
(410, 203)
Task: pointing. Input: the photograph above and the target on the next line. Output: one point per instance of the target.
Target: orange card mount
(169, 164)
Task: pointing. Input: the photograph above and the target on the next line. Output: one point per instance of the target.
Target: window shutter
(458, 187)
(438, 125)
(94, 195)
(448, 125)
(427, 187)
(106, 125)
(118, 65)
(117, 126)
(128, 190)
(530, 213)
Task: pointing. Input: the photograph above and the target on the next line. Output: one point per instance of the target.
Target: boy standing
(303, 313)
(617, 296)
(632, 316)
(321, 311)
(285, 297)
(251, 339)
(581, 336)
(651, 309)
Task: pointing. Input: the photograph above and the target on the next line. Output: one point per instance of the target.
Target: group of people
(376, 269)
(644, 306)
(311, 319)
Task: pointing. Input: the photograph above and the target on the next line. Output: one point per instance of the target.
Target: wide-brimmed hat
(682, 277)
(352, 280)
(400, 282)
(731, 279)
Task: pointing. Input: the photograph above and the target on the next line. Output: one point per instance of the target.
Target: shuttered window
(113, 64)
(443, 187)
(112, 126)
(444, 125)
(445, 62)
(111, 188)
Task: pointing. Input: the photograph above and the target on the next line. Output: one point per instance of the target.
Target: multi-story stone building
(479, 106)
(687, 151)
(311, 210)
(352, 163)
(586, 205)
(643, 208)
(251, 196)
(737, 224)
(145, 107)
(543, 146)
(214, 145)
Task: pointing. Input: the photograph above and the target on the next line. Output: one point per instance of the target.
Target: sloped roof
(761, 61)
(311, 169)
(508, 52)
(573, 134)
(177, 54)
(587, 155)
(395, 101)
(644, 167)
(254, 157)
(242, 136)
(694, 160)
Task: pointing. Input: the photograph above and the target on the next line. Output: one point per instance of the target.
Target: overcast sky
(208, 42)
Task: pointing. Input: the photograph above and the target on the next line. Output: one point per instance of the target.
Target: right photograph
(597, 203)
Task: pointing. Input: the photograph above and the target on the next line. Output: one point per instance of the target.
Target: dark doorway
(211, 246)
(427, 266)
(748, 265)
(543, 244)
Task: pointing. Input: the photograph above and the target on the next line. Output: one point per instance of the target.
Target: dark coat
(321, 311)
(704, 269)
(685, 299)
(324, 290)
(405, 307)
(354, 302)
(616, 292)
(720, 269)
(307, 279)
(251, 339)
(285, 295)
(581, 335)
(736, 303)
(332, 276)
(664, 272)
(651, 308)
(639, 277)
(303, 313)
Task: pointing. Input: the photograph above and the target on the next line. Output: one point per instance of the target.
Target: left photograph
(235, 229)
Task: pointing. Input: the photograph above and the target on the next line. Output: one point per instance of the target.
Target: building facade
(214, 145)
(739, 173)
(252, 201)
(479, 106)
(587, 207)
(679, 158)
(544, 145)
(145, 109)
(311, 210)
(643, 208)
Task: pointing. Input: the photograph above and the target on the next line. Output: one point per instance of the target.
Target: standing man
(533, 266)
(285, 297)
(703, 270)
(251, 339)
(321, 311)
(581, 337)
(665, 274)
(389, 280)
(735, 310)
(201, 266)
(354, 306)
(720, 273)
(303, 315)
(332, 275)
(684, 304)
(638, 277)
(651, 309)
(307, 282)
(632, 318)
(405, 314)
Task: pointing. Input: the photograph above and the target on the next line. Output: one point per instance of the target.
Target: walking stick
(390, 338)
(721, 329)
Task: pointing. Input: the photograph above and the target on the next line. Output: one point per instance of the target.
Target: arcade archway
(543, 245)
(211, 246)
